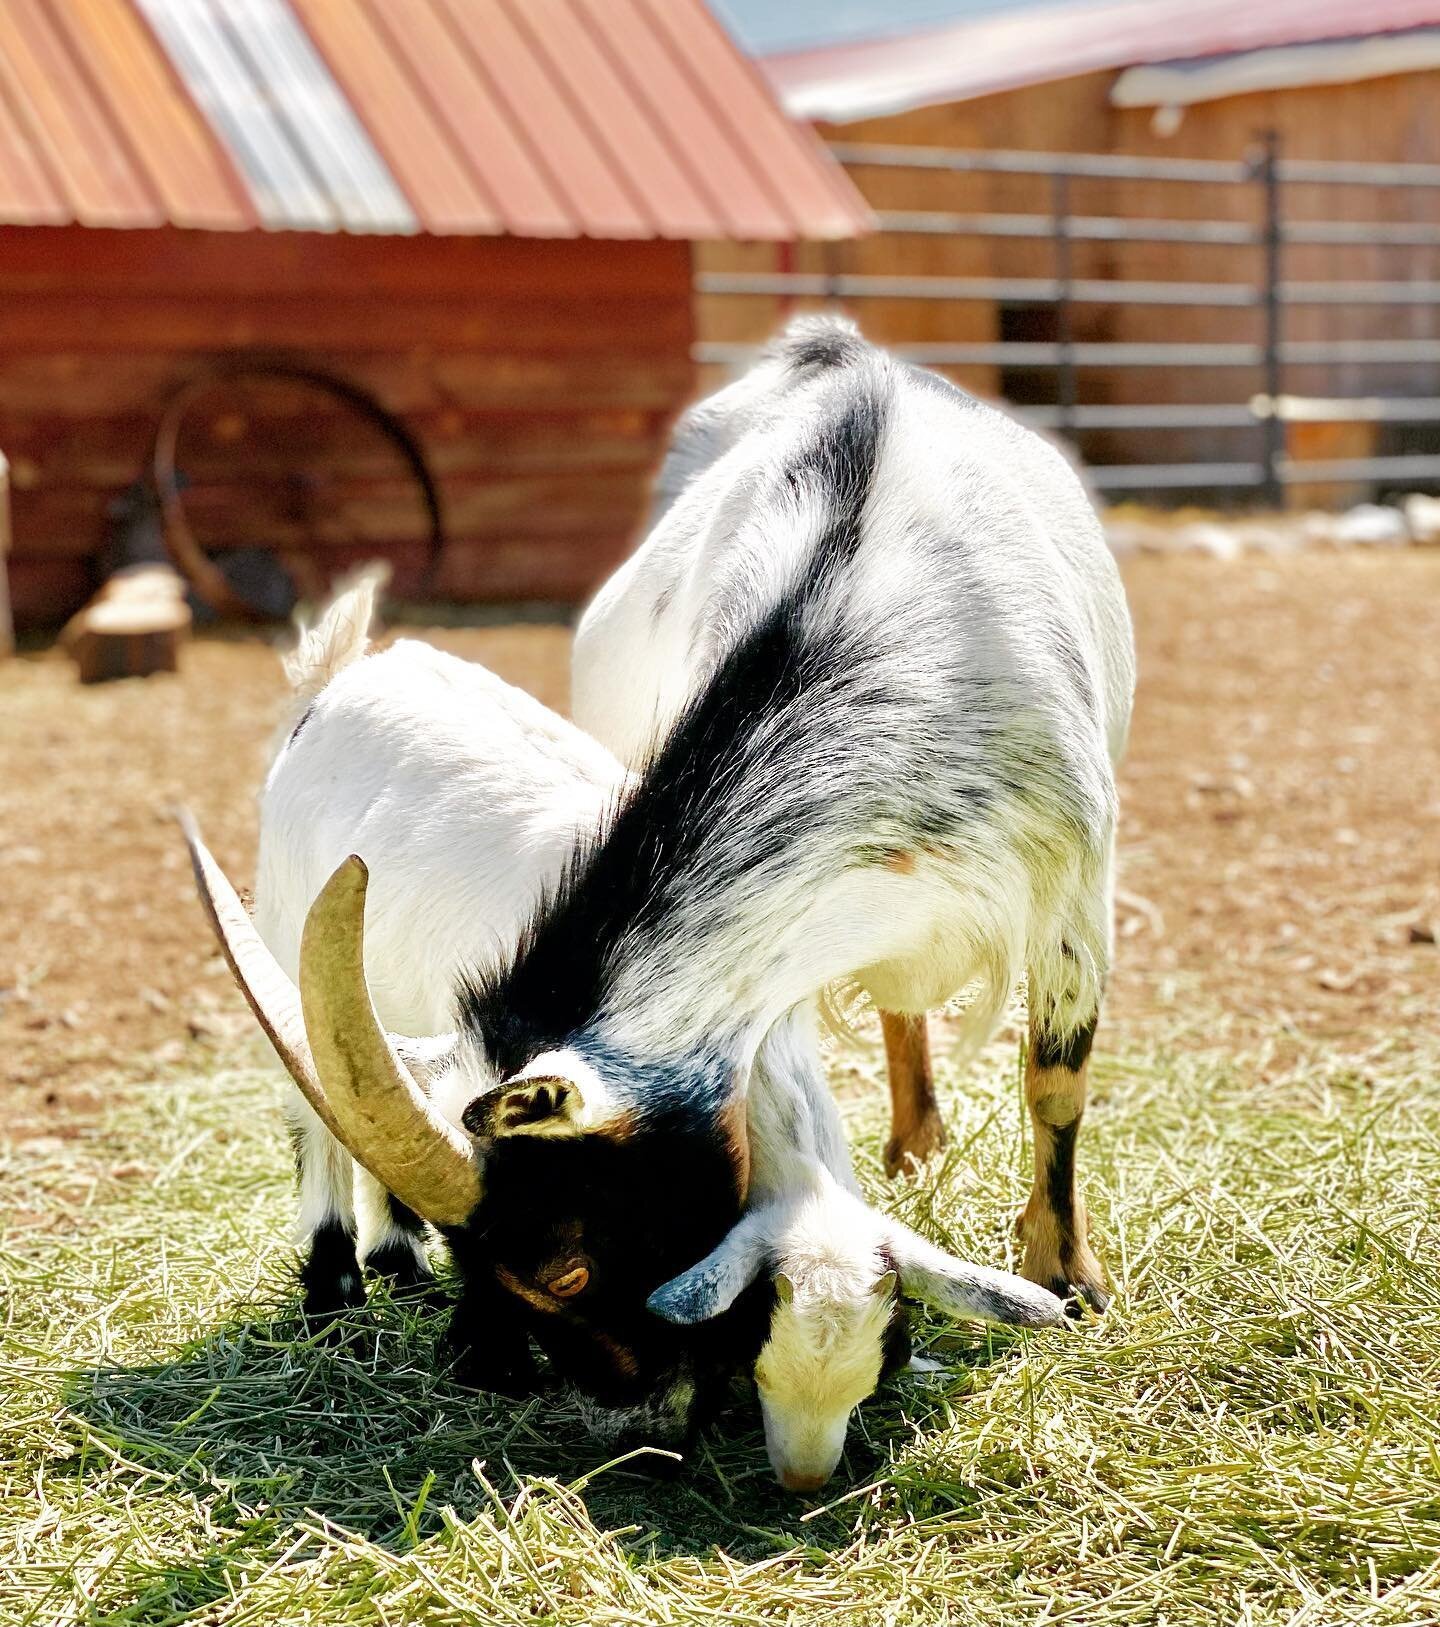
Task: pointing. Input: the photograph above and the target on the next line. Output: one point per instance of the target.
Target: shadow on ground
(270, 1427)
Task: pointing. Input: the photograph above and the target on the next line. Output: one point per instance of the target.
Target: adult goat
(897, 606)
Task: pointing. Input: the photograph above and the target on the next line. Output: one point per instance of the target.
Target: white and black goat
(467, 798)
(878, 653)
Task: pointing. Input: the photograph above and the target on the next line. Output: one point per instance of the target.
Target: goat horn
(391, 1127)
(271, 995)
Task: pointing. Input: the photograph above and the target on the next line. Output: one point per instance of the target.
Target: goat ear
(538, 1107)
(712, 1286)
(960, 1289)
(558, 1094)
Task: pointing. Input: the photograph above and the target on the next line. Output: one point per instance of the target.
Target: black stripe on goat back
(697, 782)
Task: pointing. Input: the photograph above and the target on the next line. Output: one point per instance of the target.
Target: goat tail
(339, 635)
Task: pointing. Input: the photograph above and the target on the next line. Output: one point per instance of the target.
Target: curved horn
(272, 996)
(390, 1126)
(958, 1288)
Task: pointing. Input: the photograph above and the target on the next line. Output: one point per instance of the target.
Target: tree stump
(132, 627)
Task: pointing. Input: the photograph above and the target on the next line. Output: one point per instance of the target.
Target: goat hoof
(326, 1303)
(1078, 1296)
(406, 1275)
(905, 1153)
(1080, 1289)
(1081, 1294)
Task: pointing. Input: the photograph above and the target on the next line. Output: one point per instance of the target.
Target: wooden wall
(540, 378)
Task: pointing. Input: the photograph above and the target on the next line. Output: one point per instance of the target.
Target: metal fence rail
(1082, 291)
(1267, 411)
(1125, 167)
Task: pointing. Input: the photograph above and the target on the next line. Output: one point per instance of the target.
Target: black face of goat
(571, 1238)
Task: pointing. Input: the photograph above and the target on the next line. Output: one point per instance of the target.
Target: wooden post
(7, 621)
(1272, 449)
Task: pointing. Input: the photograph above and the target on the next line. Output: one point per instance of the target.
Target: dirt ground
(1280, 867)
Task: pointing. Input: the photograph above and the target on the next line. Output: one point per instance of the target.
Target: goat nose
(793, 1480)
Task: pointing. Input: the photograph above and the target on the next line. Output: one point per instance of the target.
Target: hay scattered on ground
(1250, 1436)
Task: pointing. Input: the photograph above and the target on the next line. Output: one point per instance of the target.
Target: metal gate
(1059, 366)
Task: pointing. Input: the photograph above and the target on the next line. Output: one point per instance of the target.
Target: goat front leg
(916, 1128)
(394, 1237)
(1054, 1224)
(330, 1274)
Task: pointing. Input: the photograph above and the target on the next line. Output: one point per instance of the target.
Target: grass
(1250, 1436)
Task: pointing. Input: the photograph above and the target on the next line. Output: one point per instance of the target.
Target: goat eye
(573, 1282)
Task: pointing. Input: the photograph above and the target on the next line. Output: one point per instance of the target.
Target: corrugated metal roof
(290, 77)
(1005, 51)
(604, 118)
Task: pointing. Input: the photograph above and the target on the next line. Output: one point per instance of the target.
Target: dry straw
(1251, 1436)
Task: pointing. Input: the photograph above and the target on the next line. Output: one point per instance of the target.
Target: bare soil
(1280, 855)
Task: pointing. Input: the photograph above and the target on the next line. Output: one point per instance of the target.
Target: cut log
(132, 627)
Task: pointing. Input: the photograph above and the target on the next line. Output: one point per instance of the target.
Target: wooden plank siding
(539, 377)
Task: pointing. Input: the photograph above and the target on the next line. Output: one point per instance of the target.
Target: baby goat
(885, 617)
(839, 1270)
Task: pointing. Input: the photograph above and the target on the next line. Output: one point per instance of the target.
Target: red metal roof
(539, 118)
(1029, 47)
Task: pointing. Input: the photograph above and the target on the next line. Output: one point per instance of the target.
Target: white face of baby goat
(827, 1351)
(837, 1327)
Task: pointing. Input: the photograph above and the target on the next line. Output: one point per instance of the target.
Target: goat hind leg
(1054, 1225)
(916, 1128)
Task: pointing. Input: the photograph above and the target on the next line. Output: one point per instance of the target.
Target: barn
(1237, 198)
(475, 218)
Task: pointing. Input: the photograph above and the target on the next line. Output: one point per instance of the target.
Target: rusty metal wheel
(301, 519)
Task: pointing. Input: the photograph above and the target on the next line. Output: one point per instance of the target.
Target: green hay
(1250, 1436)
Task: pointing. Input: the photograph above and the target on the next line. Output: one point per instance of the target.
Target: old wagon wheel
(288, 500)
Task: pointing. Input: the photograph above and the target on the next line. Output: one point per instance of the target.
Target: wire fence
(1263, 413)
